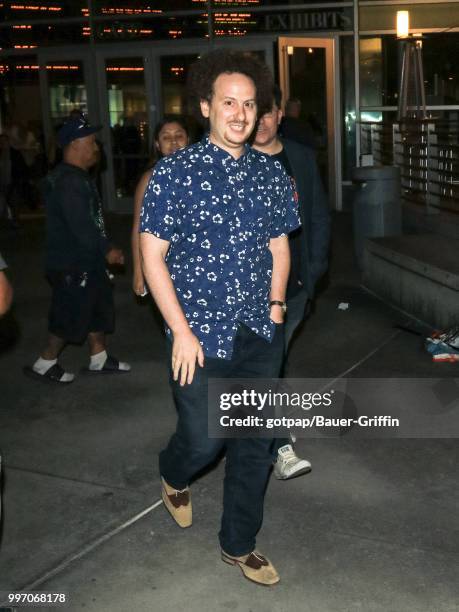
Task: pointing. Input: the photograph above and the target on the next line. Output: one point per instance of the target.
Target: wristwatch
(283, 305)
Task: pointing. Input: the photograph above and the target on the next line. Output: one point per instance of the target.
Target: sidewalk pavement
(373, 527)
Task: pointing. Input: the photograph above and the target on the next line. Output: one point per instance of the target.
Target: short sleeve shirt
(219, 214)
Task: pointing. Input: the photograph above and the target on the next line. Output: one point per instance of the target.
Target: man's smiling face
(232, 112)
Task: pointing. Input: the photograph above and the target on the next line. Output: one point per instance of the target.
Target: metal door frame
(331, 46)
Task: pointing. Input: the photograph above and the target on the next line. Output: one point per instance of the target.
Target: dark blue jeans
(248, 461)
(297, 312)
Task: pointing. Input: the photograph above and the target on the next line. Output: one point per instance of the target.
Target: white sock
(98, 361)
(124, 366)
(41, 366)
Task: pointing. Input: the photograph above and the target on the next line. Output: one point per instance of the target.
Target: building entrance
(126, 89)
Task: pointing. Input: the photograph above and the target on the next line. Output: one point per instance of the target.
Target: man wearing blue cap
(77, 253)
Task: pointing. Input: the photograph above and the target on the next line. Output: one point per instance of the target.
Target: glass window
(440, 54)
(144, 8)
(172, 28)
(380, 61)
(376, 136)
(127, 107)
(422, 16)
(67, 89)
(348, 105)
(31, 36)
(174, 71)
(20, 99)
(16, 10)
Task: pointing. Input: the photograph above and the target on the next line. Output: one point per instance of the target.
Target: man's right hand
(186, 349)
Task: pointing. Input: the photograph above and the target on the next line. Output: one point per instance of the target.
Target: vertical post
(433, 174)
(283, 70)
(357, 81)
(91, 23)
(420, 78)
(210, 24)
(48, 127)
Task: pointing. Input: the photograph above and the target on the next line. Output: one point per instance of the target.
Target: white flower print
(219, 215)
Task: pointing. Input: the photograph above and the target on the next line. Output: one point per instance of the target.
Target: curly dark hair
(204, 72)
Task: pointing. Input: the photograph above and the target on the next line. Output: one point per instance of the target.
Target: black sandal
(111, 366)
(51, 376)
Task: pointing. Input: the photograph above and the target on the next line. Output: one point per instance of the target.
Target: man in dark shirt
(308, 244)
(77, 252)
(293, 128)
(214, 225)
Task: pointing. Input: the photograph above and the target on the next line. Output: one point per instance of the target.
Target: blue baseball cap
(75, 128)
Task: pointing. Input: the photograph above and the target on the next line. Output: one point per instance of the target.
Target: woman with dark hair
(170, 135)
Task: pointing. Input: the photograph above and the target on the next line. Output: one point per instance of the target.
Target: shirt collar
(222, 157)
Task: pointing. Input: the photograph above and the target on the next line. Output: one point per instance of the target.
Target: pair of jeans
(297, 311)
(248, 460)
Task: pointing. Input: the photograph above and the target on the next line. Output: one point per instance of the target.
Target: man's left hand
(115, 257)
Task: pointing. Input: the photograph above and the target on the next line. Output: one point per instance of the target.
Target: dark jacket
(314, 213)
(75, 233)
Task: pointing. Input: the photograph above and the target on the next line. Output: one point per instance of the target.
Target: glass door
(67, 90)
(126, 110)
(174, 98)
(66, 87)
(308, 79)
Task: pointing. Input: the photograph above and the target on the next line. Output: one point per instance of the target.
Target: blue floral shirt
(219, 214)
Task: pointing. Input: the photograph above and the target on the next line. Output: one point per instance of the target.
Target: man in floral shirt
(214, 225)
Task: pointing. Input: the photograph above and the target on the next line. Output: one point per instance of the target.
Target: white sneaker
(288, 465)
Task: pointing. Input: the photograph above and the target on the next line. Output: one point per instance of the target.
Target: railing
(427, 152)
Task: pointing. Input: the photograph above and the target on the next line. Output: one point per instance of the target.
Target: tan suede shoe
(178, 503)
(255, 567)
